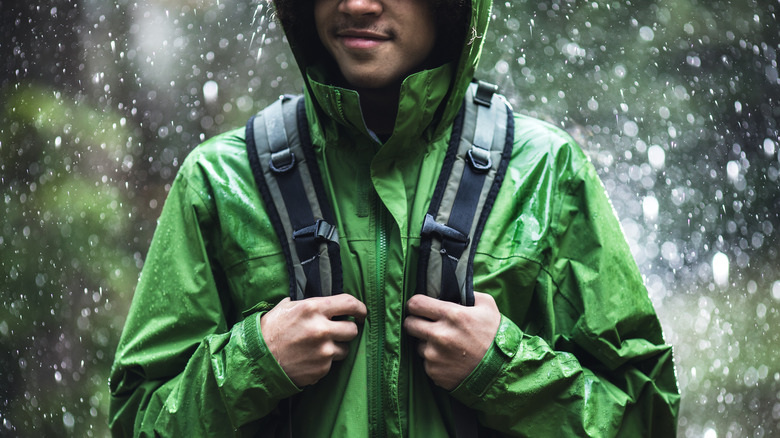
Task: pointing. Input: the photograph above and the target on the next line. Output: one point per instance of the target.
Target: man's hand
(304, 337)
(452, 338)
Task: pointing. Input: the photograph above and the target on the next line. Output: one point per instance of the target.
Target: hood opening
(297, 20)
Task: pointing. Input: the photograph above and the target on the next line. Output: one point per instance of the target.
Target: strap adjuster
(431, 227)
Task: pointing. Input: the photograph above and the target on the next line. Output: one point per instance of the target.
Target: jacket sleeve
(182, 368)
(604, 371)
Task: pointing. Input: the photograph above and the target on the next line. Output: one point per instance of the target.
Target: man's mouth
(361, 39)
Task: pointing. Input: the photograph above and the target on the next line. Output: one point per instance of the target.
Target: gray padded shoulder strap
(471, 175)
(287, 177)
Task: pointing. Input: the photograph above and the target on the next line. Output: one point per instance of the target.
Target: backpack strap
(472, 172)
(287, 176)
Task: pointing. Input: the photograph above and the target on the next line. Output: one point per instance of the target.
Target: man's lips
(358, 39)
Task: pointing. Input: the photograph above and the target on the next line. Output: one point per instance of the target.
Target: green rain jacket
(579, 350)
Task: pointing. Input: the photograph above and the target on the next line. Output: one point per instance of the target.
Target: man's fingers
(418, 327)
(341, 351)
(421, 346)
(342, 305)
(343, 331)
(481, 299)
(427, 307)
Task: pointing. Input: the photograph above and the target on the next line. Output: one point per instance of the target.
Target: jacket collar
(421, 96)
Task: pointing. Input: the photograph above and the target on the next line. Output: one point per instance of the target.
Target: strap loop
(484, 93)
(479, 159)
(282, 161)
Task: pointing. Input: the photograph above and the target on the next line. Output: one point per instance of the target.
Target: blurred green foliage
(67, 266)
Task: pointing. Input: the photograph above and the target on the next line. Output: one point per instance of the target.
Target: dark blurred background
(676, 102)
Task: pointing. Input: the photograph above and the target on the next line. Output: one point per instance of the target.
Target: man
(561, 341)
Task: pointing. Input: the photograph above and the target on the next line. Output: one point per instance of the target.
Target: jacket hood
(429, 99)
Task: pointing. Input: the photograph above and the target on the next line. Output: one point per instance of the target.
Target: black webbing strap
(285, 170)
(471, 175)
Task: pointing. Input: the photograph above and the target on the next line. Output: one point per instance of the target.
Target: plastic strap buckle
(320, 230)
(431, 227)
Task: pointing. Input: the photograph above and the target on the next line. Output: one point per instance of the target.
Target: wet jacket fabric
(579, 350)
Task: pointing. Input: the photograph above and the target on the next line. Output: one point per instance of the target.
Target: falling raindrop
(650, 208)
(210, 92)
(769, 147)
(656, 156)
(732, 170)
(646, 33)
(720, 269)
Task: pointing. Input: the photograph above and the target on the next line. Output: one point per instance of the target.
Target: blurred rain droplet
(646, 33)
(630, 128)
(769, 147)
(650, 208)
(210, 91)
(732, 170)
(656, 156)
(720, 269)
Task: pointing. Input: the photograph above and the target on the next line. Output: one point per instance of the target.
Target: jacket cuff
(505, 346)
(251, 382)
(277, 381)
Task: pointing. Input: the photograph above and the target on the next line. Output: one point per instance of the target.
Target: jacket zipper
(377, 310)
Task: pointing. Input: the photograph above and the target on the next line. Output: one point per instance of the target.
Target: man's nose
(358, 8)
